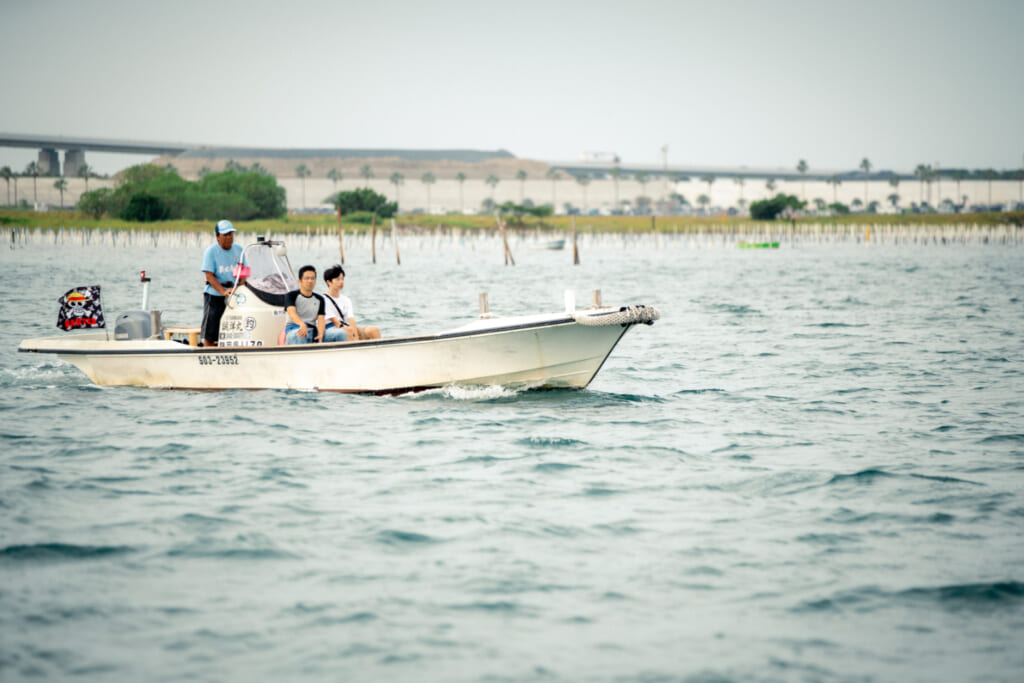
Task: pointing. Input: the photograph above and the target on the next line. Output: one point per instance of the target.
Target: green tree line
(362, 203)
(770, 209)
(150, 193)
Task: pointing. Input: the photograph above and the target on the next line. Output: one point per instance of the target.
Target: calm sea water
(810, 469)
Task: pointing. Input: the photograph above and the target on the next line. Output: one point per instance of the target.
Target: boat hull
(535, 352)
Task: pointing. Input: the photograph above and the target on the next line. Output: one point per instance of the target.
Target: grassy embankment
(320, 224)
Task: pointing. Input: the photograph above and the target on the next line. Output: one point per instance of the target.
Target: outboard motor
(144, 324)
(133, 325)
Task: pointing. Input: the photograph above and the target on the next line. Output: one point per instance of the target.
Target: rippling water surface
(810, 469)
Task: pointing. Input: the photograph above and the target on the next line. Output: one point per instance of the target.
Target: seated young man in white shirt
(338, 308)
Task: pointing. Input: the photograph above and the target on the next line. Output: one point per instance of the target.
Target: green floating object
(759, 245)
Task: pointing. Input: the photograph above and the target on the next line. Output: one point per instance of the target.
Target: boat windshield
(270, 273)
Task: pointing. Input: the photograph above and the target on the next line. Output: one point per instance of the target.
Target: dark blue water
(810, 469)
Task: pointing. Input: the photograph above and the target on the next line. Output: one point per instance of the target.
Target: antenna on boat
(145, 290)
(155, 324)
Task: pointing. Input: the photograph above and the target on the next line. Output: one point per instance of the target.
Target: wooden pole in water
(504, 239)
(501, 231)
(575, 249)
(373, 237)
(341, 237)
(394, 238)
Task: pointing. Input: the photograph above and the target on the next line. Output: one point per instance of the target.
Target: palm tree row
(924, 172)
(616, 174)
(32, 170)
(927, 174)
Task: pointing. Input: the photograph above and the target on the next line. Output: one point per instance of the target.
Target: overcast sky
(742, 82)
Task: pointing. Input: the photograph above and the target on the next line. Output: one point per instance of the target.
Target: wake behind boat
(556, 350)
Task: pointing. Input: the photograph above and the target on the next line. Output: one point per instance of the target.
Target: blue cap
(224, 227)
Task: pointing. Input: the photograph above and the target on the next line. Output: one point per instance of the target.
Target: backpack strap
(341, 316)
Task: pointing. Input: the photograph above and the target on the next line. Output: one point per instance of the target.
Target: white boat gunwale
(181, 348)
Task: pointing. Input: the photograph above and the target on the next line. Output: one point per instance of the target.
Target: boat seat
(192, 332)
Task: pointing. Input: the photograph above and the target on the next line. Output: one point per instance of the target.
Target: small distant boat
(551, 244)
(554, 350)
(758, 245)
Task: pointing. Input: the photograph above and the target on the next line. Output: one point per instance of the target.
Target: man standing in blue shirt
(218, 263)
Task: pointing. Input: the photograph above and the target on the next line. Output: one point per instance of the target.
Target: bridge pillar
(49, 162)
(74, 159)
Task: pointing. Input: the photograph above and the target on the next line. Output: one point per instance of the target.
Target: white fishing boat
(557, 350)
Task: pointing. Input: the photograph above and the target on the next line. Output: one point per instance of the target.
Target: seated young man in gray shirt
(305, 310)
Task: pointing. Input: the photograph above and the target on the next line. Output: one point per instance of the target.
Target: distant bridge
(76, 147)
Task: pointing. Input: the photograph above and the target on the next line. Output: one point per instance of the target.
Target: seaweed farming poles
(438, 239)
